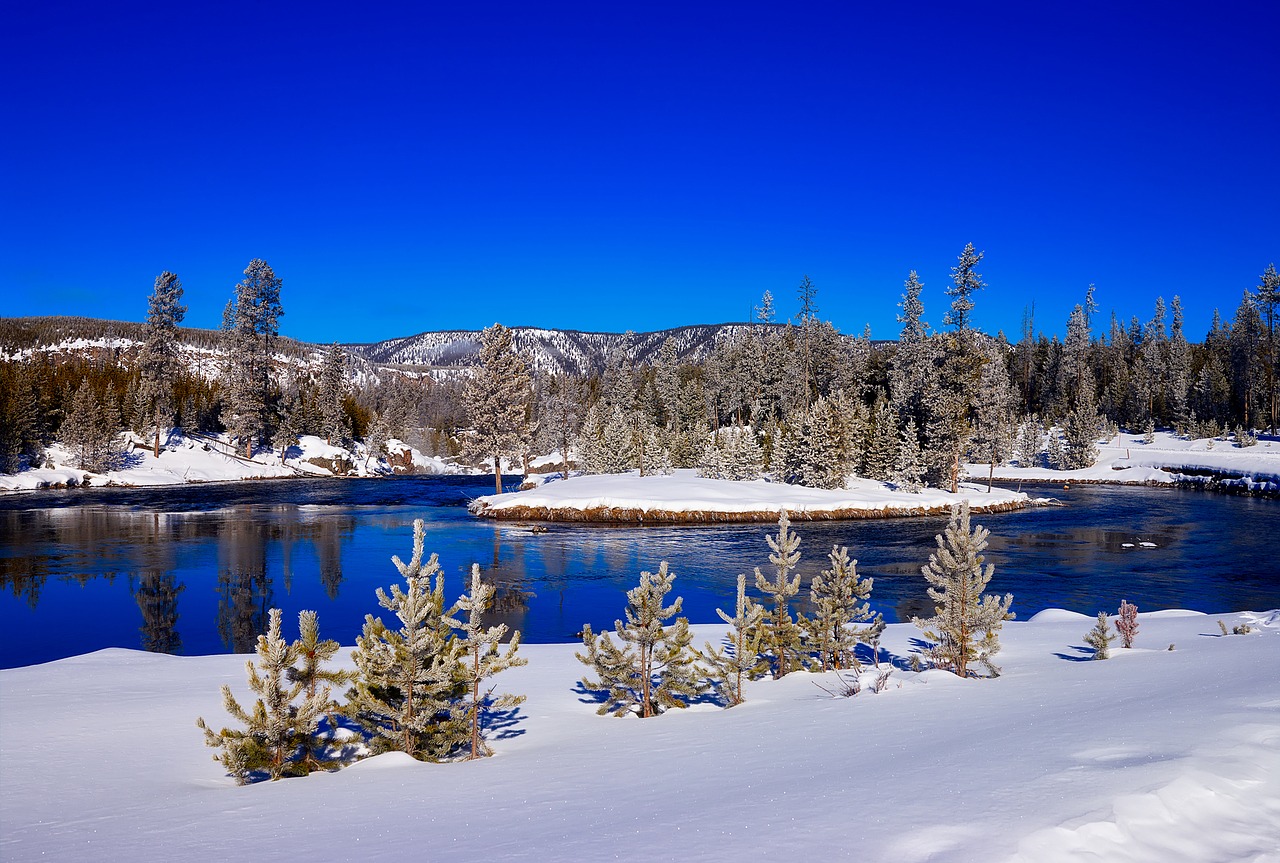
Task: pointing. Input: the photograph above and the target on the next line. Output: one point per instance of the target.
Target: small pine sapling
(311, 674)
(406, 696)
(1223, 627)
(782, 633)
(957, 575)
(1100, 637)
(482, 659)
(274, 732)
(839, 600)
(1241, 629)
(652, 667)
(741, 660)
(1127, 623)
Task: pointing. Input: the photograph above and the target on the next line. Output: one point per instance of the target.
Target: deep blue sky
(613, 166)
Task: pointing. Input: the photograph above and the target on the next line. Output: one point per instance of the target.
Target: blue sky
(639, 166)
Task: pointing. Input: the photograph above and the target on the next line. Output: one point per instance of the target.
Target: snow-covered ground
(203, 459)
(1169, 458)
(1153, 755)
(683, 495)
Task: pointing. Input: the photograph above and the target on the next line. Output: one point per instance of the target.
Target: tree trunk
(157, 447)
(497, 473)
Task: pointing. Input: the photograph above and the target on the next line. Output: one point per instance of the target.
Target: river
(194, 569)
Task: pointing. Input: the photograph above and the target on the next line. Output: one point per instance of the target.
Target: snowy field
(203, 459)
(1149, 756)
(684, 496)
(1126, 459)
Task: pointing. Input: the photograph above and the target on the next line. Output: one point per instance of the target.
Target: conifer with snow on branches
(1127, 623)
(480, 659)
(839, 600)
(1100, 637)
(732, 664)
(965, 625)
(782, 638)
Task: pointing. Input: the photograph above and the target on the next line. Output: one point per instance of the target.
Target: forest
(796, 398)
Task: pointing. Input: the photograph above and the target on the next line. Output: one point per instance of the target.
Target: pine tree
(250, 325)
(839, 601)
(158, 359)
(275, 732)
(740, 660)
(405, 697)
(1100, 637)
(908, 473)
(965, 281)
(957, 576)
(333, 392)
(1268, 303)
(480, 659)
(782, 638)
(310, 673)
(497, 396)
(1127, 623)
(652, 667)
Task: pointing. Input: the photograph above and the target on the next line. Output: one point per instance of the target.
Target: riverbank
(682, 497)
(212, 458)
(1214, 465)
(1153, 754)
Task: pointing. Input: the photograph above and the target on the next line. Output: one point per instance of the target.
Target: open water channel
(194, 569)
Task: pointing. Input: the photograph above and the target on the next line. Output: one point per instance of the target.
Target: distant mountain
(550, 351)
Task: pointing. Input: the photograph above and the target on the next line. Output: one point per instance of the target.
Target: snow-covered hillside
(1153, 755)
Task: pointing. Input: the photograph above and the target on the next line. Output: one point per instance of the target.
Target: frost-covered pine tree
(333, 393)
(1030, 444)
(1127, 623)
(731, 664)
(497, 396)
(90, 429)
(965, 625)
(275, 732)
(652, 667)
(782, 638)
(158, 357)
(250, 325)
(406, 695)
(481, 658)
(1100, 637)
(908, 473)
(839, 601)
(733, 453)
(881, 454)
(310, 672)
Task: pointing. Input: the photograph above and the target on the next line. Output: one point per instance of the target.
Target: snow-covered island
(1154, 754)
(684, 497)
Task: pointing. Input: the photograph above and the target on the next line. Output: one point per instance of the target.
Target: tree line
(798, 399)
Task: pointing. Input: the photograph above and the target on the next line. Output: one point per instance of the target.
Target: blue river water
(194, 569)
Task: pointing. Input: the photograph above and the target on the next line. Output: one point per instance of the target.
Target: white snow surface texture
(1152, 755)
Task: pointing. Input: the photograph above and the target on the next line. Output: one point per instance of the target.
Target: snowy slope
(1152, 755)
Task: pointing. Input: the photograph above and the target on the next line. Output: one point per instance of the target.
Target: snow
(211, 459)
(684, 492)
(1153, 755)
(1169, 458)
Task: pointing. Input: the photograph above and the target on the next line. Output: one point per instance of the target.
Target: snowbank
(214, 459)
(1168, 460)
(1151, 755)
(683, 496)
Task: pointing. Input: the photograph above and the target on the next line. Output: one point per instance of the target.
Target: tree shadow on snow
(1082, 654)
(502, 724)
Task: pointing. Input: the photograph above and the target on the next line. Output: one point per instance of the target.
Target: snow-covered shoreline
(1151, 755)
(205, 459)
(684, 497)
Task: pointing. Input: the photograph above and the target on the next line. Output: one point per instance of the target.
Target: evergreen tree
(333, 392)
(497, 395)
(274, 733)
(1127, 623)
(965, 622)
(881, 455)
(481, 659)
(1268, 303)
(782, 637)
(965, 281)
(733, 454)
(1100, 637)
(158, 358)
(839, 601)
(90, 429)
(911, 374)
(652, 667)
(250, 325)
(1178, 373)
(908, 473)
(309, 672)
(405, 696)
(740, 659)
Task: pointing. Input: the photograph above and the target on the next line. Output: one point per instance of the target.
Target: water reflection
(203, 569)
